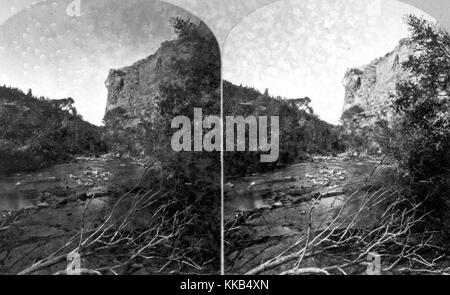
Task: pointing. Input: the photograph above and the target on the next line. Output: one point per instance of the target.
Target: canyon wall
(369, 91)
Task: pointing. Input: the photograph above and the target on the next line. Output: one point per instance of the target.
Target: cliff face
(134, 96)
(141, 96)
(369, 91)
(371, 87)
(134, 90)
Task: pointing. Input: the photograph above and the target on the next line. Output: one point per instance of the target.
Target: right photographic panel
(337, 139)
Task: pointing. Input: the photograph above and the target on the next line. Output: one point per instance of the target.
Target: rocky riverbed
(40, 211)
(266, 214)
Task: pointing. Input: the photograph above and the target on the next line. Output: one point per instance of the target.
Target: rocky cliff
(134, 90)
(177, 77)
(371, 86)
(369, 91)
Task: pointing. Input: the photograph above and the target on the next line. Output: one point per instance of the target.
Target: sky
(295, 48)
(299, 48)
(59, 54)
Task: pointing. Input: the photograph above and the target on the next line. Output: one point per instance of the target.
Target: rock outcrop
(369, 91)
(135, 92)
(135, 89)
(372, 86)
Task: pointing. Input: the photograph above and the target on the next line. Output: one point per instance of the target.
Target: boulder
(99, 191)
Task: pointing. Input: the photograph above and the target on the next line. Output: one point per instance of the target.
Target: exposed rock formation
(371, 87)
(134, 92)
(135, 89)
(369, 91)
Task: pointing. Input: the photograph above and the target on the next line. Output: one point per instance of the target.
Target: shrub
(301, 131)
(423, 105)
(39, 132)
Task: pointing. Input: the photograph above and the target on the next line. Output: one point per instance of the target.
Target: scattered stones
(83, 158)
(97, 192)
(91, 176)
(333, 192)
(317, 158)
(107, 157)
(43, 205)
(296, 192)
(327, 175)
(278, 204)
(52, 209)
(322, 182)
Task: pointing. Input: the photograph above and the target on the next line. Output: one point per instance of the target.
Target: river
(20, 191)
(265, 214)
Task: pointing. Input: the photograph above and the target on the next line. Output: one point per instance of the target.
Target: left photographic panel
(99, 101)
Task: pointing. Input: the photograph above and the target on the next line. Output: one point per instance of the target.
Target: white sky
(295, 48)
(300, 48)
(59, 56)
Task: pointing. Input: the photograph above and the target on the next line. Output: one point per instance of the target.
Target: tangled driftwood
(137, 230)
(395, 237)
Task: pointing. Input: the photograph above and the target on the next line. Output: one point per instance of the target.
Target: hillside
(302, 133)
(38, 132)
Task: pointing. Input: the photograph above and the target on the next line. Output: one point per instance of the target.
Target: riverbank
(267, 214)
(41, 211)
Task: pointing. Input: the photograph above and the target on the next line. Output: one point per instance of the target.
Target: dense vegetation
(420, 140)
(194, 175)
(416, 137)
(355, 136)
(301, 132)
(192, 179)
(38, 132)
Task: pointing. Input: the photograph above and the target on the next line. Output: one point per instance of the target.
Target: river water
(266, 214)
(256, 192)
(22, 190)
